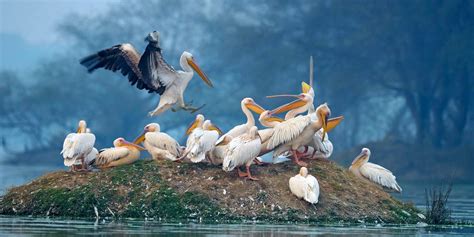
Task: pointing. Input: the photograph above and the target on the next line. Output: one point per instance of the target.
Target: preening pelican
(305, 186)
(373, 172)
(246, 104)
(77, 146)
(159, 144)
(149, 71)
(297, 131)
(123, 153)
(201, 142)
(242, 150)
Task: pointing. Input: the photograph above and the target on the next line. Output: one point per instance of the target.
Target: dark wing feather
(157, 73)
(121, 57)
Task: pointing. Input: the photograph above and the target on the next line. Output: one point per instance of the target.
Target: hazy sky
(29, 27)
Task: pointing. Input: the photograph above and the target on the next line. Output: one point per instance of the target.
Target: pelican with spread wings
(150, 71)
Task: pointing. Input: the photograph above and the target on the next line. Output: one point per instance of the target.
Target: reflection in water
(39, 226)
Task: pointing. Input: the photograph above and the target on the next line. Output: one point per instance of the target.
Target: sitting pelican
(201, 142)
(123, 153)
(305, 186)
(242, 150)
(159, 144)
(77, 146)
(149, 71)
(372, 172)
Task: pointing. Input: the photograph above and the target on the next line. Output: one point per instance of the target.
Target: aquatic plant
(437, 211)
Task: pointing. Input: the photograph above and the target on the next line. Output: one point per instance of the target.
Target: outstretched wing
(121, 57)
(380, 175)
(288, 130)
(157, 73)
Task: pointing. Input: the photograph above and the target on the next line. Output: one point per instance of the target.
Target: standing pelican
(247, 105)
(149, 71)
(201, 142)
(159, 144)
(77, 146)
(197, 123)
(298, 131)
(242, 150)
(89, 158)
(305, 186)
(123, 153)
(372, 172)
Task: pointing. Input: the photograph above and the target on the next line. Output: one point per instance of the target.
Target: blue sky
(29, 27)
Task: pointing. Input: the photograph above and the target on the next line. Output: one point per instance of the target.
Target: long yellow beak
(134, 145)
(215, 128)
(286, 107)
(274, 119)
(255, 107)
(80, 130)
(333, 122)
(200, 72)
(192, 126)
(140, 138)
(305, 87)
(325, 126)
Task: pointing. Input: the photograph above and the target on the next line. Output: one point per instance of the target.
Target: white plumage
(242, 150)
(373, 172)
(201, 141)
(159, 144)
(78, 145)
(288, 130)
(123, 153)
(305, 186)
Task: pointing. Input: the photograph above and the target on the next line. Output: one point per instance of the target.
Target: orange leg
(241, 174)
(297, 159)
(249, 176)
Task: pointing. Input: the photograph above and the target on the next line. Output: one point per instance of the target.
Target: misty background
(400, 72)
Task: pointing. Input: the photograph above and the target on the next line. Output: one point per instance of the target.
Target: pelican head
(304, 171)
(195, 124)
(121, 142)
(82, 126)
(267, 120)
(153, 38)
(306, 88)
(250, 104)
(362, 158)
(208, 125)
(304, 100)
(187, 60)
(323, 112)
(152, 127)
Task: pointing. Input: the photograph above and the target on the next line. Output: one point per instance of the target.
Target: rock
(171, 193)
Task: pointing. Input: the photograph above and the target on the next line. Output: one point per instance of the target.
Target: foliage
(437, 211)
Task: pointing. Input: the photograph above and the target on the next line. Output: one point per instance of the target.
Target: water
(461, 203)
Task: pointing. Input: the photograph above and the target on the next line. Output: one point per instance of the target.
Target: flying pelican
(297, 131)
(372, 172)
(247, 105)
(201, 142)
(242, 150)
(150, 71)
(305, 186)
(123, 153)
(159, 144)
(77, 146)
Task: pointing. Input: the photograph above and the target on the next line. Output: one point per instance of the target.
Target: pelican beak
(140, 138)
(325, 126)
(286, 107)
(305, 87)
(80, 130)
(192, 126)
(274, 119)
(333, 122)
(255, 107)
(134, 145)
(215, 128)
(200, 72)
(358, 157)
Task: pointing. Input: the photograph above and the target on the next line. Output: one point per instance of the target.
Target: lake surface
(461, 203)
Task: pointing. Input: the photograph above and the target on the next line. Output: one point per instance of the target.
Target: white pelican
(89, 159)
(246, 104)
(149, 71)
(201, 142)
(372, 172)
(123, 153)
(77, 146)
(159, 144)
(298, 131)
(305, 186)
(197, 123)
(270, 122)
(242, 150)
